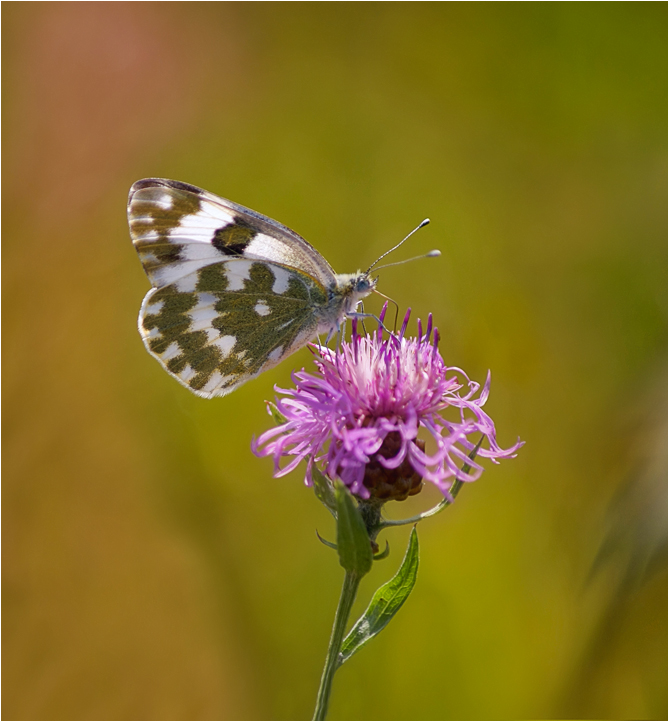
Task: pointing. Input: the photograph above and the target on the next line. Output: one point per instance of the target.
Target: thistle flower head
(358, 417)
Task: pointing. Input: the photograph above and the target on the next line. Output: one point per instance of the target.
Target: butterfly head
(364, 284)
(352, 288)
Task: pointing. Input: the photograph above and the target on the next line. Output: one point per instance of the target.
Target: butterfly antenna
(431, 254)
(394, 248)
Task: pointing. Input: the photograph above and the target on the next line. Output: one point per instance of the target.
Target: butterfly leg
(362, 311)
(355, 314)
(397, 308)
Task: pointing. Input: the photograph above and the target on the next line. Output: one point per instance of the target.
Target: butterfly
(233, 292)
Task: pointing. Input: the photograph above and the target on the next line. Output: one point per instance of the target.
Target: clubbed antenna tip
(383, 255)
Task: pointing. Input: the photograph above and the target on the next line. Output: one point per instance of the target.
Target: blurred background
(153, 568)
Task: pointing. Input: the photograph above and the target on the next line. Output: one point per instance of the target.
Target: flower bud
(392, 484)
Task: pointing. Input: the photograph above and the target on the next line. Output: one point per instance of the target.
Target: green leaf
(274, 412)
(385, 603)
(325, 541)
(353, 544)
(323, 489)
(383, 554)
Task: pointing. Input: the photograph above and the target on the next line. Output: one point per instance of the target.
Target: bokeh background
(153, 568)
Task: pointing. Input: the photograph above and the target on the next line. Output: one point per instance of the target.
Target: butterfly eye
(364, 283)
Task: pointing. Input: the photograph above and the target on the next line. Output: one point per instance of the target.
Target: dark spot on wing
(157, 253)
(233, 238)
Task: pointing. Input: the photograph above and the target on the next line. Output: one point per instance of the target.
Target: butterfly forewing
(178, 228)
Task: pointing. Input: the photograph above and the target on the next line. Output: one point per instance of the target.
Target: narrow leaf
(353, 544)
(323, 490)
(383, 554)
(455, 488)
(325, 541)
(385, 603)
(273, 411)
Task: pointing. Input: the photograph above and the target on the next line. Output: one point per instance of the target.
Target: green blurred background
(153, 568)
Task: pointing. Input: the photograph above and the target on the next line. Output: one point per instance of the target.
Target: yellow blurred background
(153, 568)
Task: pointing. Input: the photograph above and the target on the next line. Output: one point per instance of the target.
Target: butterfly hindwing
(225, 323)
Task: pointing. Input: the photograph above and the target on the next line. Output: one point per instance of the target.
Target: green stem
(348, 592)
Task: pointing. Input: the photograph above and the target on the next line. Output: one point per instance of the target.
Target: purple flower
(359, 416)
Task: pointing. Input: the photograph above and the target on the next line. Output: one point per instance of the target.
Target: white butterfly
(234, 292)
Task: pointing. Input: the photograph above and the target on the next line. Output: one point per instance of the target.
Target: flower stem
(348, 592)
